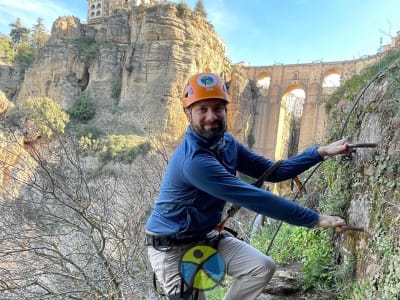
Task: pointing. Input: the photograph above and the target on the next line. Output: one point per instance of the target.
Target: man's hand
(338, 147)
(325, 221)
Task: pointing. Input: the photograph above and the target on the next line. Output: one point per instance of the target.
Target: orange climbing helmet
(204, 86)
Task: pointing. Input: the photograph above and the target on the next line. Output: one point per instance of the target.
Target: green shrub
(151, 9)
(87, 130)
(123, 148)
(88, 46)
(6, 50)
(312, 247)
(188, 43)
(48, 115)
(183, 10)
(83, 108)
(24, 55)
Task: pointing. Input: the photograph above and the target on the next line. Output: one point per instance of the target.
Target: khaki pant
(250, 268)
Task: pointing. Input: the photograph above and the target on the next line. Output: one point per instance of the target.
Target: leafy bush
(183, 10)
(123, 148)
(6, 50)
(48, 115)
(188, 43)
(151, 9)
(312, 247)
(87, 130)
(83, 108)
(88, 46)
(24, 55)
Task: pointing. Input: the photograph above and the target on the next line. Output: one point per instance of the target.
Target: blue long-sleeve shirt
(198, 182)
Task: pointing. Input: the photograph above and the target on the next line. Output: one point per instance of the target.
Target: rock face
(9, 78)
(134, 67)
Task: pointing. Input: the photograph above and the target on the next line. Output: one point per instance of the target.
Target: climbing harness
(202, 267)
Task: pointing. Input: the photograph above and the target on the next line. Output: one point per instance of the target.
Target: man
(201, 178)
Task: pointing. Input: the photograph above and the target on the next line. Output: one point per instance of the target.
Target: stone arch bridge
(272, 120)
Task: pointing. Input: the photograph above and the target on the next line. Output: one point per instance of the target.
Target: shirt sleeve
(207, 174)
(254, 165)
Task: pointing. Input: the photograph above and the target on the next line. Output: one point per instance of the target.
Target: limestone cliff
(145, 54)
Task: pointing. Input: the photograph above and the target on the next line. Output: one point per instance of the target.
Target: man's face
(208, 118)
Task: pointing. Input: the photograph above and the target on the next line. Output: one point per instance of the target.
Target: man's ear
(188, 114)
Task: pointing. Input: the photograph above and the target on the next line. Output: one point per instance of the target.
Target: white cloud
(30, 11)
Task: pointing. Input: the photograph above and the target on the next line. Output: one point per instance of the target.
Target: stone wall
(285, 78)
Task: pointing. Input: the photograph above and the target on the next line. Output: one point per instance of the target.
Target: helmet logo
(207, 81)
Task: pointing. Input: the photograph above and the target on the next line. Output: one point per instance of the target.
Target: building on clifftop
(97, 10)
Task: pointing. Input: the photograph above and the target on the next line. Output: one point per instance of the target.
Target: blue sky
(263, 32)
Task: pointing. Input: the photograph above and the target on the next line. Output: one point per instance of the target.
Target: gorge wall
(145, 54)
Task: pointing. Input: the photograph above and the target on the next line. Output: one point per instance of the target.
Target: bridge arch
(284, 79)
(290, 115)
(263, 81)
(331, 78)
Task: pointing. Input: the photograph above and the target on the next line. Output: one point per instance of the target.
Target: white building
(98, 9)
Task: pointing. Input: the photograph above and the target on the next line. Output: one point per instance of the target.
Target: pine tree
(39, 35)
(200, 8)
(19, 33)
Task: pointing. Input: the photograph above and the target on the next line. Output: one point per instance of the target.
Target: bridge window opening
(295, 102)
(289, 122)
(332, 80)
(263, 82)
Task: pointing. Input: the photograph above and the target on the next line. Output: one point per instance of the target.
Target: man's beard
(212, 134)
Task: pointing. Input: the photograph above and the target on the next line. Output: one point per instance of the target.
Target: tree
(39, 34)
(83, 108)
(19, 33)
(24, 55)
(71, 230)
(200, 8)
(48, 116)
(6, 50)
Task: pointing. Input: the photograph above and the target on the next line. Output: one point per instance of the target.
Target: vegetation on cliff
(362, 188)
(22, 43)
